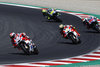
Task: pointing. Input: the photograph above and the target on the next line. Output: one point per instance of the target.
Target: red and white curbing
(95, 55)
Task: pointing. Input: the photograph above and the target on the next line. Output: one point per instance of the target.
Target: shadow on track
(68, 43)
(51, 21)
(95, 32)
(21, 54)
(18, 54)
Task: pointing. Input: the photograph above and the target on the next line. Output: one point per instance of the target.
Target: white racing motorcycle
(28, 47)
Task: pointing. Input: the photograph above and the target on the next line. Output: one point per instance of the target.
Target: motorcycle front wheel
(25, 48)
(74, 39)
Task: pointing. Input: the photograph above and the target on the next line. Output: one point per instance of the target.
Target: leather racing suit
(71, 28)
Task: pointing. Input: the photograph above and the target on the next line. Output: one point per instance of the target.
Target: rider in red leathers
(63, 30)
(16, 38)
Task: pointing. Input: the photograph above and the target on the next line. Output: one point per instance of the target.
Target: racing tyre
(24, 47)
(74, 39)
(36, 52)
(96, 27)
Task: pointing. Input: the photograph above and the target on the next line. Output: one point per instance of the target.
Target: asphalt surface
(45, 35)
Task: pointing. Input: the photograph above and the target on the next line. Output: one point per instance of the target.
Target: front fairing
(27, 42)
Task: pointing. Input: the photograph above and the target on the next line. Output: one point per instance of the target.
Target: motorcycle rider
(44, 11)
(89, 21)
(51, 12)
(16, 38)
(63, 29)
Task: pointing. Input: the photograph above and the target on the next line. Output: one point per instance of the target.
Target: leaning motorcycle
(73, 36)
(53, 17)
(96, 26)
(25, 46)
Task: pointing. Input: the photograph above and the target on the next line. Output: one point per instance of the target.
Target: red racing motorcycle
(27, 46)
(71, 34)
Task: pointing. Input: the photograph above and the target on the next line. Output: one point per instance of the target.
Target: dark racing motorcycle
(95, 25)
(26, 48)
(72, 35)
(54, 17)
(26, 45)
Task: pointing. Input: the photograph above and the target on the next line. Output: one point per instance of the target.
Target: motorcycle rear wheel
(36, 52)
(95, 27)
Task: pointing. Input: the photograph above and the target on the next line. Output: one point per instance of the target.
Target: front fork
(76, 35)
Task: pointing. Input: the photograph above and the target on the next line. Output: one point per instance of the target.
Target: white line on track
(72, 60)
(29, 64)
(52, 62)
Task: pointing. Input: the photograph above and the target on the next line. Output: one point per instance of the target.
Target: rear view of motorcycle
(51, 15)
(92, 22)
(96, 26)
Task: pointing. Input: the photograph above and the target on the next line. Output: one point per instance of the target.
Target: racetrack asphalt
(45, 35)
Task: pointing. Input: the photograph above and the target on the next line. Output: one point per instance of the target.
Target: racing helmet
(61, 26)
(12, 35)
(49, 9)
(95, 18)
(24, 33)
(91, 17)
(44, 10)
(54, 9)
